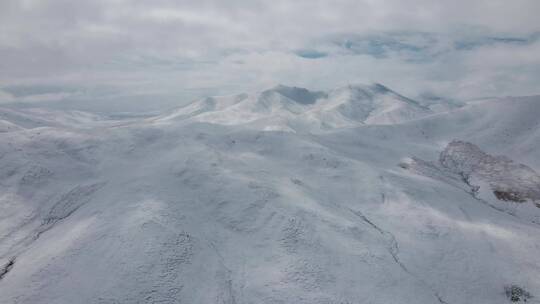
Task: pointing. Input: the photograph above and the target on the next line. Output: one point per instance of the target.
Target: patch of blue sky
(421, 47)
(472, 43)
(311, 54)
(411, 46)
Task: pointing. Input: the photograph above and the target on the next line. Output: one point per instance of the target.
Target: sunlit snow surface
(285, 196)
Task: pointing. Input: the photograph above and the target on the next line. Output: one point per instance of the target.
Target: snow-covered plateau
(354, 195)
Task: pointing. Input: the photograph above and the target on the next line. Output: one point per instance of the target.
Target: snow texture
(355, 195)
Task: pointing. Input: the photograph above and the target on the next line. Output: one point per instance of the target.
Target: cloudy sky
(165, 52)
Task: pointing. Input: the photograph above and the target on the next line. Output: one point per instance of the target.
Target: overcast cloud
(111, 50)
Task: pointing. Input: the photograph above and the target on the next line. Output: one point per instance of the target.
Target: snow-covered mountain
(292, 108)
(355, 195)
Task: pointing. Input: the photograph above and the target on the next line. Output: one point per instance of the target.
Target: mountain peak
(371, 89)
(297, 94)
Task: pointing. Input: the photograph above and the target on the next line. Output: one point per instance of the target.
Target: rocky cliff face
(509, 180)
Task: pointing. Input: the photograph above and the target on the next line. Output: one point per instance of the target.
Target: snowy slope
(282, 196)
(34, 118)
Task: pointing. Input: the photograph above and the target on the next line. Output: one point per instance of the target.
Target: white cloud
(227, 46)
(5, 97)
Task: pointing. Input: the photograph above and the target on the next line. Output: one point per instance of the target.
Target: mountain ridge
(349, 105)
